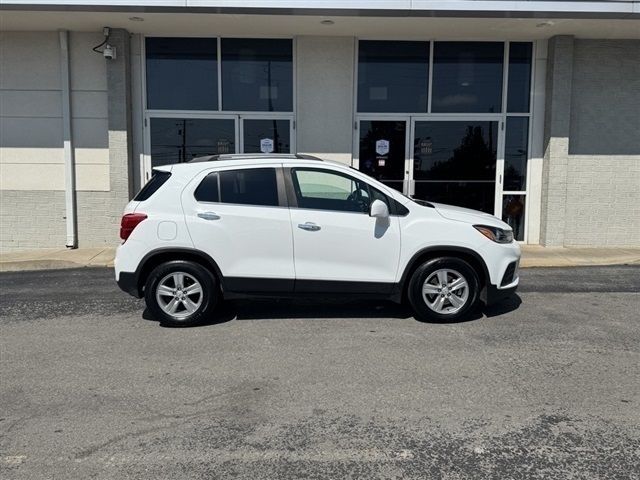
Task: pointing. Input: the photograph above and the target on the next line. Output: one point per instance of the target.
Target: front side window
(257, 74)
(252, 186)
(323, 190)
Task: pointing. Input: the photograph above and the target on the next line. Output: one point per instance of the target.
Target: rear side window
(208, 190)
(157, 180)
(255, 186)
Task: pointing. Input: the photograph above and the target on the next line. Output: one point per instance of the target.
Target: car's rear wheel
(443, 290)
(181, 293)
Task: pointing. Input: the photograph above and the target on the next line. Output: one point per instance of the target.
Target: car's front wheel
(443, 290)
(181, 293)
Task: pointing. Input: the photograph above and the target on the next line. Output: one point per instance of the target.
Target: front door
(335, 239)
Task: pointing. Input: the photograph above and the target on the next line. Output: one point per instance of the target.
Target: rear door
(239, 217)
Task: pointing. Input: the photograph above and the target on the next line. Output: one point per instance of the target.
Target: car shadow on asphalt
(320, 309)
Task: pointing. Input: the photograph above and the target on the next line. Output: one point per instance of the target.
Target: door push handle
(209, 216)
(309, 226)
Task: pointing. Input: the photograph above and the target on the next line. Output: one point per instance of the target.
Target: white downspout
(69, 154)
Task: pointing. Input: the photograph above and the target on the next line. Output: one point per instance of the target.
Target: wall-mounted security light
(108, 51)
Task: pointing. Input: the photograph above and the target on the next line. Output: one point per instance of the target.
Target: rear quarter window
(158, 179)
(208, 190)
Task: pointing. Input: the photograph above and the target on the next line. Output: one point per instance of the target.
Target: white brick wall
(591, 185)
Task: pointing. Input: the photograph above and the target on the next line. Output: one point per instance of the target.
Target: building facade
(526, 110)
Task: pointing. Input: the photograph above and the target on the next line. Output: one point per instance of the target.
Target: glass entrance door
(383, 151)
(179, 139)
(266, 135)
(456, 162)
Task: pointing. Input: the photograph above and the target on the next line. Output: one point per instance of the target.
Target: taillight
(129, 222)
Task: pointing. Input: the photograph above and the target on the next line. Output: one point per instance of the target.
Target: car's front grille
(509, 274)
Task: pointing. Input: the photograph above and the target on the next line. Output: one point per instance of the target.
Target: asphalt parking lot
(545, 385)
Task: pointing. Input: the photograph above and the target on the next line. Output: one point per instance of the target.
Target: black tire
(209, 300)
(421, 310)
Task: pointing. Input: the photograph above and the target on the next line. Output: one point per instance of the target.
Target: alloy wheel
(445, 291)
(179, 294)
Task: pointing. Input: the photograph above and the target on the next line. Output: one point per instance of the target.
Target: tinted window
(182, 73)
(519, 84)
(515, 153)
(157, 180)
(266, 136)
(208, 190)
(257, 74)
(322, 190)
(393, 76)
(467, 77)
(175, 140)
(256, 186)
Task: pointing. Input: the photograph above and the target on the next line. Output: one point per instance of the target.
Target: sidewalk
(532, 256)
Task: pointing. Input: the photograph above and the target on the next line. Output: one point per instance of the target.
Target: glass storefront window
(455, 163)
(266, 136)
(455, 150)
(519, 80)
(182, 73)
(513, 214)
(175, 140)
(257, 74)
(393, 76)
(467, 77)
(515, 153)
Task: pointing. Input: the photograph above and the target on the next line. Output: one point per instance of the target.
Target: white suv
(283, 225)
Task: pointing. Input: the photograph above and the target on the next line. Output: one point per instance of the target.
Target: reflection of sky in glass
(393, 76)
(519, 81)
(182, 73)
(257, 74)
(467, 77)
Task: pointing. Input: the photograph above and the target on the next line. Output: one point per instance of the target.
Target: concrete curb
(532, 257)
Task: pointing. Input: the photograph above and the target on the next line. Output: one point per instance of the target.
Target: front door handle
(209, 216)
(309, 226)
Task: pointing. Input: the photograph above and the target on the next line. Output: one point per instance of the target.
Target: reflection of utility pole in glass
(276, 148)
(183, 152)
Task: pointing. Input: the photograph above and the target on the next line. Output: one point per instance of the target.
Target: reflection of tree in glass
(473, 159)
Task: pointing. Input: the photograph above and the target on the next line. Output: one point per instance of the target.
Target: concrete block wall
(591, 173)
(324, 83)
(32, 204)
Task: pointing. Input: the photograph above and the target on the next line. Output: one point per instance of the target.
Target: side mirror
(379, 209)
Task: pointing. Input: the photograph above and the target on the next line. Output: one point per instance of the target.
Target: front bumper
(493, 294)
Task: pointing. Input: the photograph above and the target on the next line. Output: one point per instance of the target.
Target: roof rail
(240, 156)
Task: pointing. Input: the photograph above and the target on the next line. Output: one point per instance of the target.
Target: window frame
(280, 185)
(238, 116)
(292, 193)
(501, 117)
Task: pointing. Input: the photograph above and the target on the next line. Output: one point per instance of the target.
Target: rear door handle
(209, 216)
(309, 226)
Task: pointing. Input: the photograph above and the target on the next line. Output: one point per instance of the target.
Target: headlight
(495, 234)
